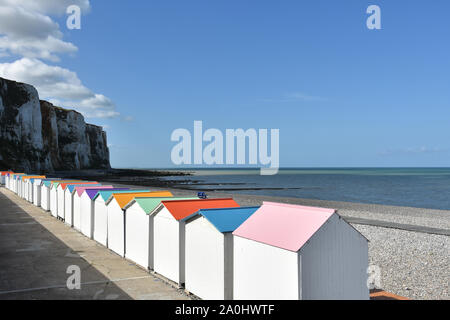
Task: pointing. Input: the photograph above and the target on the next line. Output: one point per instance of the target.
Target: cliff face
(36, 136)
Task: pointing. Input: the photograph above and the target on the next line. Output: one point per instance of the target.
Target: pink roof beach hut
(294, 252)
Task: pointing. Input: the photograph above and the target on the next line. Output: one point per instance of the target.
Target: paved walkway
(36, 250)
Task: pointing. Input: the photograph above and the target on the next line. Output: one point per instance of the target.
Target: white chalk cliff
(36, 136)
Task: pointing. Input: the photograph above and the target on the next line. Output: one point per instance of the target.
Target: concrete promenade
(36, 250)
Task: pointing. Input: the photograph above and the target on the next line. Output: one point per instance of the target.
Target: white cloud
(60, 86)
(48, 6)
(30, 34)
(28, 31)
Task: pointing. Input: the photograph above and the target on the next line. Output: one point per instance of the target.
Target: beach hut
(69, 194)
(9, 180)
(101, 213)
(29, 189)
(116, 217)
(45, 192)
(54, 195)
(60, 196)
(21, 185)
(16, 179)
(3, 175)
(209, 251)
(168, 236)
(37, 188)
(27, 193)
(294, 252)
(8, 175)
(18, 184)
(87, 210)
(139, 229)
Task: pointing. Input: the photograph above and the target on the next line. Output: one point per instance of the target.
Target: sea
(412, 187)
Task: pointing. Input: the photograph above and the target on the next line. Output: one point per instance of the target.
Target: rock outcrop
(36, 136)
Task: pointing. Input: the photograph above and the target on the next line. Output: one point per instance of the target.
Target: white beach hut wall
(3, 177)
(6, 177)
(45, 193)
(88, 210)
(139, 229)
(37, 191)
(209, 251)
(61, 199)
(69, 193)
(29, 190)
(56, 185)
(116, 217)
(27, 187)
(101, 213)
(169, 236)
(293, 252)
(21, 185)
(17, 183)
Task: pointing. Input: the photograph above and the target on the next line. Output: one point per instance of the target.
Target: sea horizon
(421, 187)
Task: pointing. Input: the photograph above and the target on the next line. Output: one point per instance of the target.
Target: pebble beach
(415, 265)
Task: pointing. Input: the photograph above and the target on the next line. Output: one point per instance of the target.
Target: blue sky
(341, 95)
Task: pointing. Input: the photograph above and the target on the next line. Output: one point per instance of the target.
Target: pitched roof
(225, 219)
(150, 204)
(107, 194)
(38, 180)
(80, 189)
(92, 192)
(124, 198)
(48, 183)
(284, 226)
(31, 177)
(65, 184)
(182, 208)
(71, 187)
(56, 183)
